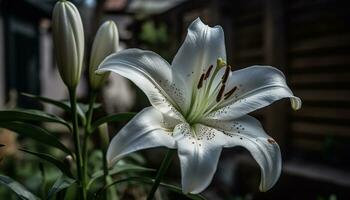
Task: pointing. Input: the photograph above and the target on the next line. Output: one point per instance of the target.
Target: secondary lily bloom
(68, 38)
(199, 106)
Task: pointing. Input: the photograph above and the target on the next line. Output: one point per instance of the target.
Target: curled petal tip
(296, 103)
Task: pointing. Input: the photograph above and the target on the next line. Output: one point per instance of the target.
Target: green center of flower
(209, 92)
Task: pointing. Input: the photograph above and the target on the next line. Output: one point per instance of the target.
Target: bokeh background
(309, 40)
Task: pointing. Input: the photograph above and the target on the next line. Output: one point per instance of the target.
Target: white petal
(248, 132)
(202, 47)
(147, 129)
(198, 157)
(152, 74)
(258, 86)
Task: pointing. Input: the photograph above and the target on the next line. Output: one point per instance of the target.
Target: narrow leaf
(30, 115)
(150, 181)
(65, 105)
(80, 111)
(56, 103)
(59, 164)
(17, 188)
(39, 134)
(119, 169)
(61, 183)
(113, 118)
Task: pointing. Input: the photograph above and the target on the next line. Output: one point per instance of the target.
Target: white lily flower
(68, 38)
(200, 106)
(105, 43)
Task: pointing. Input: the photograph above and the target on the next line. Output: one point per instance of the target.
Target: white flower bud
(105, 43)
(68, 37)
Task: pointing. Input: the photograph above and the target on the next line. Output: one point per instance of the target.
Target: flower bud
(68, 38)
(105, 43)
(104, 137)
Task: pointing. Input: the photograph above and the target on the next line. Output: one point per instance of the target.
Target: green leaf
(17, 188)
(61, 183)
(80, 111)
(119, 169)
(56, 103)
(36, 133)
(30, 115)
(150, 181)
(112, 118)
(65, 105)
(59, 164)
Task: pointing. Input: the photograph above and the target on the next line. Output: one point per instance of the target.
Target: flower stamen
(208, 72)
(221, 92)
(229, 93)
(200, 83)
(226, 74)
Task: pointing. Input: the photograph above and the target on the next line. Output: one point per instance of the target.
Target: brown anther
(225, 76)
(200, 83)
(271, 141)
(229, 93)
(221, 92)
(208, 72)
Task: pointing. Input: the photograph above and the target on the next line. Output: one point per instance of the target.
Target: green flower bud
(105, 43)
(104, 137)
(68, 38)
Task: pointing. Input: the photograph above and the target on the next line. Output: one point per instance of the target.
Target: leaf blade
(17, 188)
(59, 164)
(56, 103)
(119, 169)
(30, 115)
(61, 183)
(36, 133)
(150, 181)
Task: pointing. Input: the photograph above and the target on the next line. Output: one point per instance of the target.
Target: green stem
(88, 133)
(105, 173)
(161, 171)
(76, 139)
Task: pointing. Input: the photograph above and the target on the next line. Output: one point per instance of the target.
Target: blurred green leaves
(30, 115)
(36, 133)
(61, 183)
(48, 158)
(17, 188)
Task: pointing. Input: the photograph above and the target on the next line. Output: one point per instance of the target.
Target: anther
(225, 76)
(221, 92)
(229, 93)
(200, 83)
(208, 72)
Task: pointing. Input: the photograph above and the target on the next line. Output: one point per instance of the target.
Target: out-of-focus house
(26, 51)
(27, 58)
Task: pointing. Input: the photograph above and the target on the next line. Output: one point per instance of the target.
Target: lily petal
(198, 156)
(248, 133)
(149, 128)
(202, 47)
(257, 87)
(152, 74)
